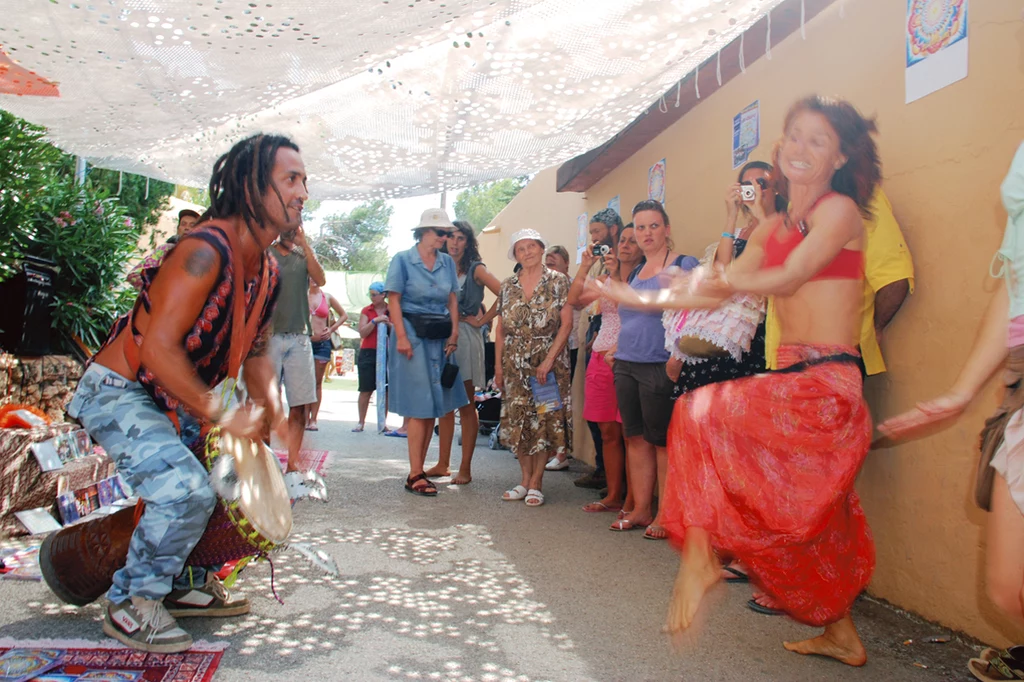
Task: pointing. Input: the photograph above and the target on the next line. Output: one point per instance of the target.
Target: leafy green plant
(90, 237)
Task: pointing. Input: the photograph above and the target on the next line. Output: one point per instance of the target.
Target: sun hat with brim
(520, 236)
(188, 211)
(435, 217)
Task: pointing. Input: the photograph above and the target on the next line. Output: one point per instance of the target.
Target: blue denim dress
(414, 385)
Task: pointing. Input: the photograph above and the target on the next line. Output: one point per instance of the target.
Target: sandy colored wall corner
(944, 157)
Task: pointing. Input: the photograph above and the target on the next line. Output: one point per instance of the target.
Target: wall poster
(656, 182)
(746, 133)
(936, 35)
(582, 235)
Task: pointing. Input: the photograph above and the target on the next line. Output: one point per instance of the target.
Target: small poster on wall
(656, 182)
(746, 133)
(613, 204)
(582, 235)
(936, 32)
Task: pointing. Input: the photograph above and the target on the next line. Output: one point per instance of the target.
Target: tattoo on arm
(200, 262)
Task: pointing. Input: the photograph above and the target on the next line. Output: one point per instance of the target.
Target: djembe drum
(253, 516)
(698, 335)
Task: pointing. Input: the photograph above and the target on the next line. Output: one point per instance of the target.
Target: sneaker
(212, 600)
(557, 465)
(593, 480)
(145, 625)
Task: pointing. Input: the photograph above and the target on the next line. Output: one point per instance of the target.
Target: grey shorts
(292, 355)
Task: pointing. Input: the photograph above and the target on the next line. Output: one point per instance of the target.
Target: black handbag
(431, 326)
(449, 373)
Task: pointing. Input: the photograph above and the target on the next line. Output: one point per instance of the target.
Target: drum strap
(243, 331)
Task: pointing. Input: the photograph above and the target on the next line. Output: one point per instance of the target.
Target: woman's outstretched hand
(923, 415)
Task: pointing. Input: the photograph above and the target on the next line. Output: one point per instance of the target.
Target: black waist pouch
(431, 326)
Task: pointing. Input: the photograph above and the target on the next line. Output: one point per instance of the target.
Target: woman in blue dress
(423, 289)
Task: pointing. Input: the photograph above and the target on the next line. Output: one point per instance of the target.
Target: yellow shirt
(886, 260)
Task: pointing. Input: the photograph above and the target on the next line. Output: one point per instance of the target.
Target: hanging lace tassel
(662, 106)
(679, 93)
(768, 38)
(696, 80)
(743, 67)
(120, 181)
(803, 18)
(718, 68)
(147, 188)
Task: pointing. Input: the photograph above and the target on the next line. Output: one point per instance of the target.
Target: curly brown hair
(862, 171)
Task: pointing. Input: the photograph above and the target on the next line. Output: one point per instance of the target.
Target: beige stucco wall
(553, 215)
(944, 157)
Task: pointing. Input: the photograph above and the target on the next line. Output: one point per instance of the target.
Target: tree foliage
(88, 231)
(478, 205)
(355, 241)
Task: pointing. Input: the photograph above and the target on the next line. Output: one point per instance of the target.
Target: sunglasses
(441, 232)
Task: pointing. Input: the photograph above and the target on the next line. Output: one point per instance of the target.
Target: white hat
(520, 236)
(435, 217)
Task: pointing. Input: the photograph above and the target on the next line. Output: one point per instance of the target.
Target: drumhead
(263, 495)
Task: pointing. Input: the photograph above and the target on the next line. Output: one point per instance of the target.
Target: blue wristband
(728, 235)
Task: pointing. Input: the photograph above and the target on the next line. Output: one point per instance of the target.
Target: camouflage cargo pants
(150, 456)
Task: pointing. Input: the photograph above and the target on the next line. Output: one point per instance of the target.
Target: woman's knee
(1005, 590)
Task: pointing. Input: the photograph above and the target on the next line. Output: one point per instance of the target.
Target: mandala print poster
(936, 33)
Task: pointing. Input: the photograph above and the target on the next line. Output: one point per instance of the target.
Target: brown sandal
(427, 490)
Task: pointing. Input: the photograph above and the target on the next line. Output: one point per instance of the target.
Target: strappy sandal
(998, 666)
(737, 575)
(534, 498)
(427, 490)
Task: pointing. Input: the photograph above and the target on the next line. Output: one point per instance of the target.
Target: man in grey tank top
(290, 347)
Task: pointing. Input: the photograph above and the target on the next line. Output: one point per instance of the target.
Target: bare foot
(438, 471)
(839, 641)
(461, 478)
(699, 570)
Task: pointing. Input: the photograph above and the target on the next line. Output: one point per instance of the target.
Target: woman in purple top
(642, 387)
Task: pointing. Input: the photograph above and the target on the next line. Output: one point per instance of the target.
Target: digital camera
(600, 250)
(747, 189)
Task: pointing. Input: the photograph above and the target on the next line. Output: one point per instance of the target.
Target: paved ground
(467, 587)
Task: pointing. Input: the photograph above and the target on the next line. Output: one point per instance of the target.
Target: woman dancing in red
(762, 469)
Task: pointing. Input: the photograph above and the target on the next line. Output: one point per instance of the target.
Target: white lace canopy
(387, 98)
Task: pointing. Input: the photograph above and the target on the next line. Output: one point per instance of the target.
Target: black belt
(845, 358)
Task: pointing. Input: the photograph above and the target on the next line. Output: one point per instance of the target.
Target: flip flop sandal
(995, 669)
(597, 507)
(534, 498)
(514, 494)
(765, 610)
(395, 434)
(428, 490)
(655, 533)
(358, 429)
(626, 524)
(737, 576)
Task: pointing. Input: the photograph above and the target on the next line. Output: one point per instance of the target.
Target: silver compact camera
(747, 193)
(600, 250)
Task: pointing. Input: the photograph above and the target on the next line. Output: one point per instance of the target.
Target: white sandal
(515, 494)
(534, 498)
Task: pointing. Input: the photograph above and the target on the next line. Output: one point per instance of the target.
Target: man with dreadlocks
(203, 310)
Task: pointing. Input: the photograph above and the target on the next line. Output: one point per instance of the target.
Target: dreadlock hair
(471, 253)
(242, 177)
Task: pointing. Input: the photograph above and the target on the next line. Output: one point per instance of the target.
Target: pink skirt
(599, 402)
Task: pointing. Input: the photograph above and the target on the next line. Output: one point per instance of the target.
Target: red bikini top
(848, 263)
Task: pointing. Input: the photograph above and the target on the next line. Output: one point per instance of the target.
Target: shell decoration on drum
(695, 336)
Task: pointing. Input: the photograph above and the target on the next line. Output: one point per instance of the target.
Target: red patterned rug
(309, 459)
(85, 660)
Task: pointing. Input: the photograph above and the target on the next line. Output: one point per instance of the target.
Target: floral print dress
(530, 327)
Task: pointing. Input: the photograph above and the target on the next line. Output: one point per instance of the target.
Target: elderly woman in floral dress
(532, 333)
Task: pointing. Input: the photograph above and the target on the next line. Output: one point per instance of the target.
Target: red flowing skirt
(766, 465)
